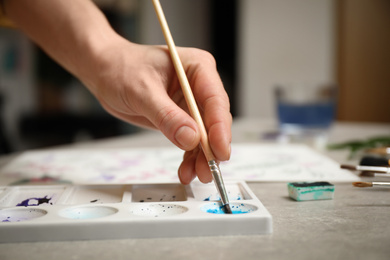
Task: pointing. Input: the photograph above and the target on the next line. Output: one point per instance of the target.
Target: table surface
(354, 225)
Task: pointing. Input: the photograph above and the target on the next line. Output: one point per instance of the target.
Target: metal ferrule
(216, 172)
(378, 169)
(380, 184)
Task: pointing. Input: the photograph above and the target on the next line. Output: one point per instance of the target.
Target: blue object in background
(318, 115)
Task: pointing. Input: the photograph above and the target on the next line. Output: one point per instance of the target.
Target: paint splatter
(34, 202)
(221, 210)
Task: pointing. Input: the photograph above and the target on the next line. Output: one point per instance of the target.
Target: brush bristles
(228, 210)
(362, 184)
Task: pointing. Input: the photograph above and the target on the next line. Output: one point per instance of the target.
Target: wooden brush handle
(185, 85)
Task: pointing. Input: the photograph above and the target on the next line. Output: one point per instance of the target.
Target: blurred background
(257, 44)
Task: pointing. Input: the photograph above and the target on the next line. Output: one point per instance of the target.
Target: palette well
(91, 212)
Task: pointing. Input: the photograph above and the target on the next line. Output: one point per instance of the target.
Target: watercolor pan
(92, 212)
(304, 191)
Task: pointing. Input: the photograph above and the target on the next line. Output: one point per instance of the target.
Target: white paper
(257, 162)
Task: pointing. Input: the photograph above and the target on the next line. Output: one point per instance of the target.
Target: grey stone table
(354, 225)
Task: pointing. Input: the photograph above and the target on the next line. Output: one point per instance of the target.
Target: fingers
(194, 164)
(186, 170)
(213, 102)
(160, 100)
(177, 126)
(202, 168)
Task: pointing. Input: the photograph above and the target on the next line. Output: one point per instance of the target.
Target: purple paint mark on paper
(162, 171)
(146, 176)
(34, 201)
(128, 162)
(6, 220)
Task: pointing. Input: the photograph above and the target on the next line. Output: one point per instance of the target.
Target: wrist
(92, 60)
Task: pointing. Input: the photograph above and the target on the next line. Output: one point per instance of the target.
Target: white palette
(89, 212)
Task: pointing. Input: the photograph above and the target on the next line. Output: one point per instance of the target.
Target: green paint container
(303, 191)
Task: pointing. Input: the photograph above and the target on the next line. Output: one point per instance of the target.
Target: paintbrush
(371, 184)
(365, 168)
(190, 99)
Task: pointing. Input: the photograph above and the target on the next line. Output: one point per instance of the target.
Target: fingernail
(185, 136)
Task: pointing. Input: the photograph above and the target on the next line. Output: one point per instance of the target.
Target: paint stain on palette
(35, 201)
(164, 192)
(158, 210)
(32, 196)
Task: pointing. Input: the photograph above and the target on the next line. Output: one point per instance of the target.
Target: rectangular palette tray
(92, 212)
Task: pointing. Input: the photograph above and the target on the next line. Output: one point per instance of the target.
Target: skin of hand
(133, 82)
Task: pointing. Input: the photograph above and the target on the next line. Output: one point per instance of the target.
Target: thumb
(176, 124)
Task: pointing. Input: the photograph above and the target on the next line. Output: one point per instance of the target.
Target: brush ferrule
(216, 173)
(380, 184)
(373, 169)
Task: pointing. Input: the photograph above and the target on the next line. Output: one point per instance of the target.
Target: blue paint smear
(40, 201)
(236, 209)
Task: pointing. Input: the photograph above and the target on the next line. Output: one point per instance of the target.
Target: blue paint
(30, 201)
(237, 208)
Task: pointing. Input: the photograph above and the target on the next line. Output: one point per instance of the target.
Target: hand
(135, 83)
(138, 84)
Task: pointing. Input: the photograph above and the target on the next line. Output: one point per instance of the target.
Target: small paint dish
(87, 212)
(303, 191)
(237, 208)
(157, 210)
(20, 214)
